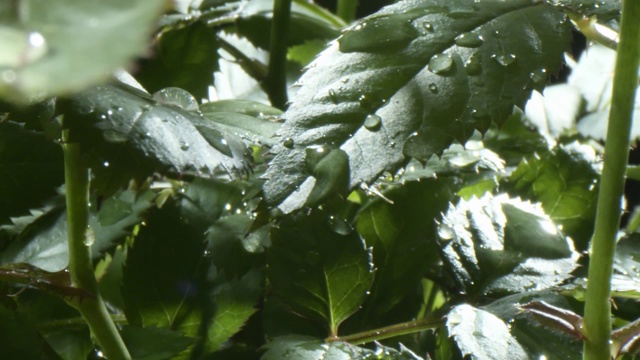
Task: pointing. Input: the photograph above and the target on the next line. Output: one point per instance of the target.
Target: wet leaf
(319, 273)
(504, 245)
(31, 169)
(424, 104)
(308, 348)
(49, 50)
(115, 120)
(470, 328)
(251, 121)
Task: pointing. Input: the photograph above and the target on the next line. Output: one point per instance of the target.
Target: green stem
(387, 332)
(347, 10)
(91, 308)
(277, 77)
(597, 314)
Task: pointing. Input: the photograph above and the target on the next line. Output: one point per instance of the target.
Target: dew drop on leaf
(433, 88)
(538, 77)
(333, 96)
(445, 232)
(177, 97)
(184, 146)
(313, 155)
(427, 26)
(380, 33)
(504, 59)
(339, 225)
(469, 39)
(440, 64)
(90, 236)
(372, 122)
(288, 143)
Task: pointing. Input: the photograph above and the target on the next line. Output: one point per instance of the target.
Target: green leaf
(306, 52)
(321, 274)
(504, 245)
(49, 49)
(401, 235)
(185, 57)
(30, 170)
(117, 215)
(565, 182)
(247, 119)
(44, 243)
(151, 343)
(436, 86)
(162, 278)
(235, 301)
(470, 327)
(152, 136)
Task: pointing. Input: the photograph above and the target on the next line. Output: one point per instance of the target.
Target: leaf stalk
(388, 332)
(597, 315)
(92, 309)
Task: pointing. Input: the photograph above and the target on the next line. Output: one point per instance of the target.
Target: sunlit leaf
(120, 123)
(468, 325)
(504, 245)
(431, 71)
(565, 182)
(57, 47)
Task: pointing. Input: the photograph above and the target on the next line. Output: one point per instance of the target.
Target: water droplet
(339, 225)
(428, 26)
(313, 155)
(333, 96)
(184, 146)
(105, 164)
(177, 97)
(473, 66)
(469, 39)
(504, 59)
(538, 78)
(288, 143)
(445, 232)
(372, 122)
(433, 88)
(441, 64)
(89, 237)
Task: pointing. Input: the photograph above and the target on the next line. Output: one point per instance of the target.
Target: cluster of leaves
(401, 197)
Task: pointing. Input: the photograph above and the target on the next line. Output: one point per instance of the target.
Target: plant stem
(277, 77)
(91, 308)
(597, 314)
(389, 331)
(347, 10)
